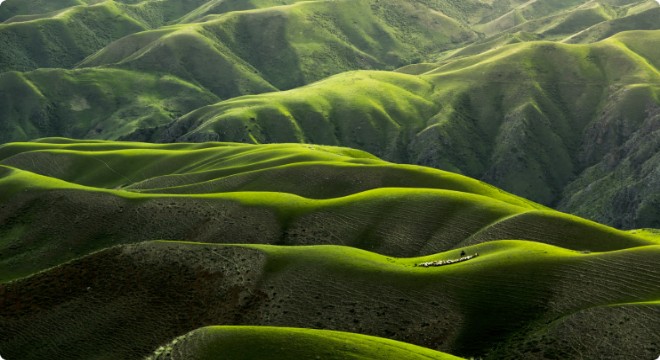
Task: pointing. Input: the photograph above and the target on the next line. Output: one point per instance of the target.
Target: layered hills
(363, 179)
(79, 264)
(253, 342)
(540, 119)
(490, 90)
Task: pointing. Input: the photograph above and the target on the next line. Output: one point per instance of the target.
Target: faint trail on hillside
(113, 170)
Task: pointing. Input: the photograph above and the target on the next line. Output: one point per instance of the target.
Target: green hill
(91, 103)
(91, 195)
(531, 118)
(491, 91)
(512, 291)
(254, 342)
(305, 42)
(61, 33)
(297, 179)
(61, 38)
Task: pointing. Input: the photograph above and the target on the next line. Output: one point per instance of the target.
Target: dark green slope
(589, 23)
(644, 20)
(91, 103)
(287, 46)
(529, 117)
(256, 342)
(63, 199)
(62, 38)
(36, 34)
(126, 301)
(582, 333)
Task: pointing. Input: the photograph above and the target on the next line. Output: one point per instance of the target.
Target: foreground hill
(515, 300)
(255, 342)
(81, 277)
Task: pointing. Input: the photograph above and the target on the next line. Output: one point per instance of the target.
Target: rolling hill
(343, 179)
(492, 91)
(285, 194)
(540, 119)
(163, 289)
(330, 235)
(245, 342)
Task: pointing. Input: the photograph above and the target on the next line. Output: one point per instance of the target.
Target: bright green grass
(651, 234)
(252, 342)
(291, 194)
(174, 168)
(512, 289)
(516, 116)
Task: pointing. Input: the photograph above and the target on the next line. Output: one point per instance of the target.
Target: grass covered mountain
(69, 102)
(540, 119)
(490, 90)
(245, 216)
(75, 278)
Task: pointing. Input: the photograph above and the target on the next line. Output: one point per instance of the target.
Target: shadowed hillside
(253, 342)
(61, 33)
(283, 47)
(534, 118)
(491, 91)
(511, 291)
(93, 195)
(91, 103)
(293, 179)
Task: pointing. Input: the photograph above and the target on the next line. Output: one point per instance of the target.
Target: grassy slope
(505, 116)
(355, 35)
(260, 194)
(644, 20)
(91, 103)
(252, 342)
(527, 117)
(513, 289)
(36, 34)
(284, 50)
(63, 38)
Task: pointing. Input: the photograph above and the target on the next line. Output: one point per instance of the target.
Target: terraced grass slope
(254, 342)
(93, 194)
(540, 119)
(127, 301)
